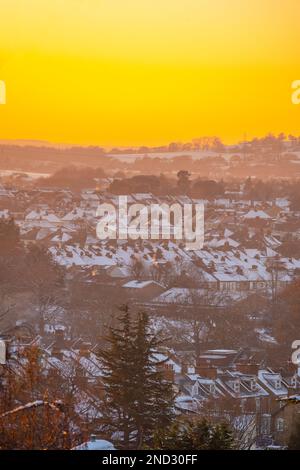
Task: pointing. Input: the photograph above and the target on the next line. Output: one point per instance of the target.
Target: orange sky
(133, 72)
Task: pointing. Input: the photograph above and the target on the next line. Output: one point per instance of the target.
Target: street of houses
(240, 258)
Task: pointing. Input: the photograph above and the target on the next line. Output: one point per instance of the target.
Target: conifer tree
(199, 435)
(154, 395)
(118, 367)
(221, 438)
(138, 398)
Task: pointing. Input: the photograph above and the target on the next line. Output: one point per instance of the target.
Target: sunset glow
(133, 72)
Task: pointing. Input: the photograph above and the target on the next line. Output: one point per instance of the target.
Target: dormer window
(253, 384)
(195, 390)
(294, 381)
(212, 389)
(236, 386)
(277, 384)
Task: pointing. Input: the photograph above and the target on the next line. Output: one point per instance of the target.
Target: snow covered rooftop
(253, 214)
(135, 284)
(95, 444)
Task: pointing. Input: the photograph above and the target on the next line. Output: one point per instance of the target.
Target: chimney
(85, 349)
(184, 368)
(206, 371)
(60, 337)
(59, 343)
(168, 371)
(247, 368)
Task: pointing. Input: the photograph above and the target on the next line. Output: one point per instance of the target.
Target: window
(243, 404)
(265, 424)
(280, 424)
(294, 381)
(257, 403)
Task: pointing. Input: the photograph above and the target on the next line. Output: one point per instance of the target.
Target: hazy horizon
(61, 144)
